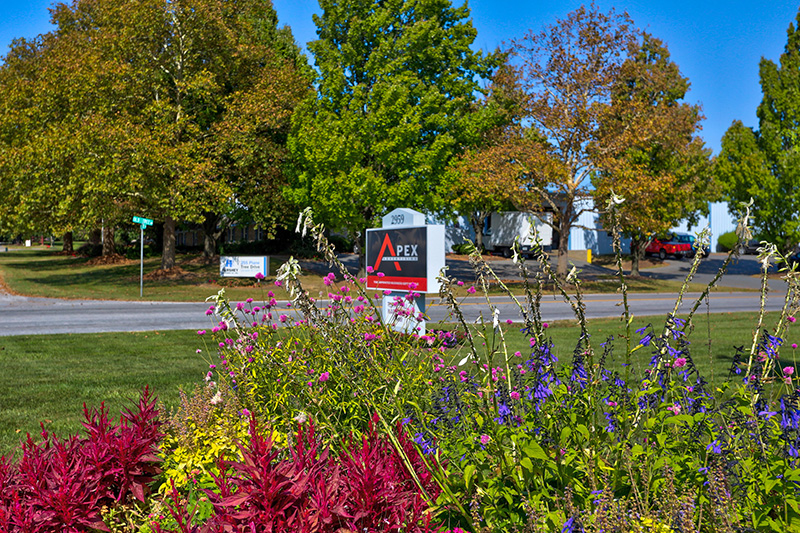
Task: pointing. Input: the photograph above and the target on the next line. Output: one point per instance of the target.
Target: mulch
(172, 274)
(112, 259)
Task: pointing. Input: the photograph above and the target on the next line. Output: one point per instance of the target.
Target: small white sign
(243, 266)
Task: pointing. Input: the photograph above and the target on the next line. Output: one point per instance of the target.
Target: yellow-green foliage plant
(208, 426)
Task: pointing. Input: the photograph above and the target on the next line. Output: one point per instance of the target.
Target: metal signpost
(143, 223)
(405, 253)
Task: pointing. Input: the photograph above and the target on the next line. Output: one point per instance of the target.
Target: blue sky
(717, 44)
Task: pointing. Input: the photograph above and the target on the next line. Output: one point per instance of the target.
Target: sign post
(403, 258)
(143, 223)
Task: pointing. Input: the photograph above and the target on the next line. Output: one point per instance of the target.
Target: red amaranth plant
(366, 487)
(62, 484)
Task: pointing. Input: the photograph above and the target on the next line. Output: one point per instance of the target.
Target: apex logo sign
(396, 254)
(398, 257)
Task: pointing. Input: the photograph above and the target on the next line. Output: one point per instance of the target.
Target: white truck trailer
(504, 227)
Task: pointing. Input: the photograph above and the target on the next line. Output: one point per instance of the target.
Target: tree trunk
(563, 252)
(212, 231)
(94, 237)
(638, 246)
(168, 254)
(109, 246)
(67, 240)
(478, 220)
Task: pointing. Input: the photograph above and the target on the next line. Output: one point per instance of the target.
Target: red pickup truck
(665, 245)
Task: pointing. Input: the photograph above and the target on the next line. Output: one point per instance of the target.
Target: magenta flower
(324, 377)
(515, 395)
(794, 346)
(545, 325)
(278, 283)
(412, 286)
(370, 270)
(283, 318)
(788, 370)
(201, 332)
(471, 290)
(679, 362)
(259, 276)
(381, 274)
(485, 439)
(791, 319)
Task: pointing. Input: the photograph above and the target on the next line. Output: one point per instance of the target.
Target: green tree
(143, 96)
(764, 164)
(396, 87)
(655, 161)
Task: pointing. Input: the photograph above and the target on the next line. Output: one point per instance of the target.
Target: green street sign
(143, 221)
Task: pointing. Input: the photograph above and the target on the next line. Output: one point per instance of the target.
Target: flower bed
(324, 419)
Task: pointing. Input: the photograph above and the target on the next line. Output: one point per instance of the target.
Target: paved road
(41, 315)
(22, 315)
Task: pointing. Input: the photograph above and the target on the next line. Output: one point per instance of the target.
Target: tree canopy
(656, 161)
(148, 108)
(764, 163)
(396, 84)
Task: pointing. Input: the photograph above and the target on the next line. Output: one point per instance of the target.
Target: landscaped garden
(337, 423)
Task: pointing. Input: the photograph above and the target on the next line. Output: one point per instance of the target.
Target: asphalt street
(23, 315)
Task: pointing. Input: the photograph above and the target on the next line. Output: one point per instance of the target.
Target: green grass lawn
(49, 377)
(712, 341)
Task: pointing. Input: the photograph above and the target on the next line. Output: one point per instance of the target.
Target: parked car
(692, 240)
(751, 247)
(664, 245)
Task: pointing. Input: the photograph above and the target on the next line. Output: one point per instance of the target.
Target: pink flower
(788, 370)
(545, 325)
(460, 283)
(515, 395)
(676, 409)
(485, 439)
(509, 321)
(278, 283)
(370, 270)
(201, 332)
(283, 318)
(259, 276)
(794, 346)
(517, 354)
(791, 319)
(412, 286)
(471, 290)
(679, 362)
(324, 377)
(381, 274)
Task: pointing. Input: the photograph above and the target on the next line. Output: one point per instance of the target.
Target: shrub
(531, 442)
(727, 241)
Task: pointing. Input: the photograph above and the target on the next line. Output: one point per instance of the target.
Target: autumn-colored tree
(568, 71)
(649, 152)
(764, 163)
(485, 177)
